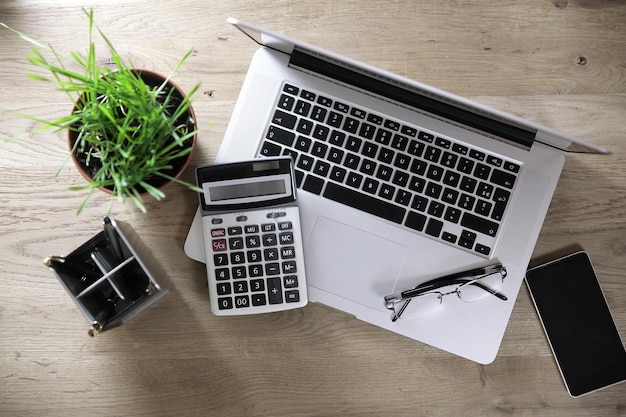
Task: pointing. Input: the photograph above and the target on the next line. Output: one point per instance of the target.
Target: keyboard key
(434, 227)
(291, 89)
(358, 113)
(448, 237)
(351, 125)
(482, 249)
(286, 102)
(284, 119)
(324, 101)
(270, 149)
(354, 180)
(501, 198)
(365, 203)
(479, 224)
(403, 197)
(426, 137)
(313, 184)
(415, 221)
(502, 178)
(338, 174)
(419, 203)
(386, 191)
(344, 108)
(390, 124)
(494, 160)
(335, 119)
(478, 155)
(302, 108)
(510, 166)
(482, 171)
(281, 136)
(307, 95)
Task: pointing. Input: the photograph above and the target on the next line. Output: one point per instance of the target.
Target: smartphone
(578, 323)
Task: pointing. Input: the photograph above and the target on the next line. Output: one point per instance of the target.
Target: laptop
(399, 183)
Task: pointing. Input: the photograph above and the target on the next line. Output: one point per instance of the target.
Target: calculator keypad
(256, 261)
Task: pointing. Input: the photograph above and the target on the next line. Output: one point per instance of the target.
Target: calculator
(252, 237)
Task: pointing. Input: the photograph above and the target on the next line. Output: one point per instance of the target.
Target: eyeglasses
(472, 285)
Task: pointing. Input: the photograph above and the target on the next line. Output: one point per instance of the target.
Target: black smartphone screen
(578, 323)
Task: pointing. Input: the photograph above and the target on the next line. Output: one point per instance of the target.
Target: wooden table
(561, 63)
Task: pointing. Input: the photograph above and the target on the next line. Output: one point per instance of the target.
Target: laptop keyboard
(430, 184)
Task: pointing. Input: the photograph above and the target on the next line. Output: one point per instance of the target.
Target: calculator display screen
(254, 189)
(247, 192)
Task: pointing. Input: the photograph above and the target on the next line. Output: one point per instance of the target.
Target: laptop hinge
(411, 96)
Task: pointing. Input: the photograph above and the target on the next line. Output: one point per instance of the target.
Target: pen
(103, 317)
(113, 240)
(61, 264)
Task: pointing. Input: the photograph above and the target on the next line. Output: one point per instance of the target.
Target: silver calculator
(252, 237)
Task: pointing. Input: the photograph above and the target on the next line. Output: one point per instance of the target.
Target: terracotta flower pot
(178, 166)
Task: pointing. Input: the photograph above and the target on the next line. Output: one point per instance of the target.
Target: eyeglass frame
(461, 278)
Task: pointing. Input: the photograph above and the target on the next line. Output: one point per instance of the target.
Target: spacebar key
(364, 202)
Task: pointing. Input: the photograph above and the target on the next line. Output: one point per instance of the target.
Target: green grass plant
(128, 132)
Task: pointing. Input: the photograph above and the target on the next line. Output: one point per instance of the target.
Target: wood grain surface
(558, 62)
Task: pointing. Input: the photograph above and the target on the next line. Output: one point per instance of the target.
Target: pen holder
(112, 277)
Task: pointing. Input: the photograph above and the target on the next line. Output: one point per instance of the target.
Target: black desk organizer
(112, 277)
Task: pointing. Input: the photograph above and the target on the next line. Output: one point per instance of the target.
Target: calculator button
(218, 232)
(272, 268)
(237, 257)
(219, 245)
(257, 285)
(290, 281)
(268, 227)
(289, 267)
(220, 259)
(216, 221)
(254, 256)
(259, 300)
(285, 226)
(240, 287)
(222, 274)
(270, 254)
(239, 272)
(251, 228)
(274, 291)
(241, 218)
(255, 270)
(287, 252)
(235, 243)
(235, 230)
(225, 303)
(292, 296)
(242, 301)
(269, 239)
(253, 241)
(286, 238)
(224, 288)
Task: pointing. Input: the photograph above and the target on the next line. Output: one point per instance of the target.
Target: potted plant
(130, 132)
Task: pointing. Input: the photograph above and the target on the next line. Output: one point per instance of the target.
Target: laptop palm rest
(351, 263)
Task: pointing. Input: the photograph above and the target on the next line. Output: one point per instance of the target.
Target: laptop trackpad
(352, 263)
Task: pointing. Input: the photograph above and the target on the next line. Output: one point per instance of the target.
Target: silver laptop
(399, 183)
